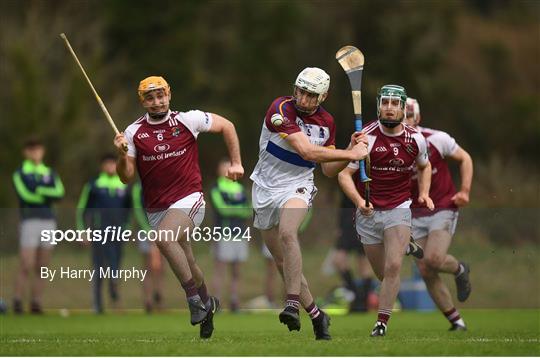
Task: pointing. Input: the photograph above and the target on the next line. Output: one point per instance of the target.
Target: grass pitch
(491, 332)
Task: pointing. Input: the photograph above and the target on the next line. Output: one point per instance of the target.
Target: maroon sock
(293, 302)
(452, 315)
(203, 292)
(190, 287)
(384, 315)
(313, 310)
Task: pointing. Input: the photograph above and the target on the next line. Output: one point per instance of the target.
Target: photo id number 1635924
(218, 233)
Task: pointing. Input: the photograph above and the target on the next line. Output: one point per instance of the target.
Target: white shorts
(231, 251)
(267, 204)
(30, 233)
(193, 205)
(266, 252)
(445, 220)
(371, 228)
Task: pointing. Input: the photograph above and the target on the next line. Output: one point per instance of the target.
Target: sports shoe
(207, 325)
(463, 283)
(457, 327)
(35, 308)
(291, 318)
(379, 330)
(197, 309)
(18, 307)
(320, 326)
(414, 249)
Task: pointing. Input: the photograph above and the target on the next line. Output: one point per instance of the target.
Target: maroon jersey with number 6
(167, 156)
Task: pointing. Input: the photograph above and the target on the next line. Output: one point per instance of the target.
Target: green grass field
(491, 332)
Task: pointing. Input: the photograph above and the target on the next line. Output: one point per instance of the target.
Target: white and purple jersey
(279, 165)
(167, 156)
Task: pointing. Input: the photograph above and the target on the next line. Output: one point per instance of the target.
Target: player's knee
(279, 264)
(25, 270)
(287, 236)
(434, 261)
(425, 271)
(27, 267)
(340, 261)
(392, 268)
(36, 269)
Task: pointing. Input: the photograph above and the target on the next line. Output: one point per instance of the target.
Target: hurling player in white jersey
(162, 148)
(384, 226)
(296, 134)
(434, 230)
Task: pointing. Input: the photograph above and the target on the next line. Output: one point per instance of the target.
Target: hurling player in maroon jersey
(162, 149)
(434, 229)
(384, 226)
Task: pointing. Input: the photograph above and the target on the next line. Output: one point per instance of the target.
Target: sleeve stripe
(281, 105)
(25, 194)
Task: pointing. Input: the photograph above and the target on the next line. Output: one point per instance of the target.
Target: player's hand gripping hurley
(351, 60)
(98, 99)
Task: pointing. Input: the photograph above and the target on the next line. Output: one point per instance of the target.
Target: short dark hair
(33, 142)
(107, 156)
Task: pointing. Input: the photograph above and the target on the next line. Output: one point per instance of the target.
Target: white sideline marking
(93, 340)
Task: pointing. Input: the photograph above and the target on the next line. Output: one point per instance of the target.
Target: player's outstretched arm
(314, 153)
(331, 169)
(461, 198)
(424, 183)
(226, 127)
(346, 182)
(125, 165)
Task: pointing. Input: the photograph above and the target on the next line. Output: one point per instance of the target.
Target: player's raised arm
(226, 127)
(461, 198)
(125, 164)
(331, 169)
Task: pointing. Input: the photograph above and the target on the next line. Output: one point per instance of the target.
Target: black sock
(348, 280)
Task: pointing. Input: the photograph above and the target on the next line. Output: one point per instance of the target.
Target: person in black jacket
(104, 202)
(37, 187)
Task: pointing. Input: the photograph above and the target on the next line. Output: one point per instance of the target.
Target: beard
(158, 115)
(390, 123)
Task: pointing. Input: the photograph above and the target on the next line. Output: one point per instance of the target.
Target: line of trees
(472, 65)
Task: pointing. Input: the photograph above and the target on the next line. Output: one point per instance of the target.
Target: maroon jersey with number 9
(392, 159)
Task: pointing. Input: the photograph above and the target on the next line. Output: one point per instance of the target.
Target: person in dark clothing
(104, 202)
(37, 187)
(232, 209)
(348, 243)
